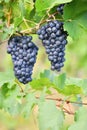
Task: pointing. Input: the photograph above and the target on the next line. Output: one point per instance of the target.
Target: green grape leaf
(84, 86)
(80, 120)
(71, 90)
(39, 84)
(82, 125)
(74, 29)
(81, 114)
(48, 74)
(15, 10)
(6, 31)
(9, 99)
(68, 86)
(17, 21)
(48, 4)
(22, 7)
(75, 23)
(50, 118)
(59, 81)
(29, 103)
(7, 77)
(75, 81)
(81, 83)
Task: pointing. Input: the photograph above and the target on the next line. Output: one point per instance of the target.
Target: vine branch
(66, 101)
(66, 110)
(8, 17)
(33, 30)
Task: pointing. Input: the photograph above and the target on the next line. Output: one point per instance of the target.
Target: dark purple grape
(23, 52)
(54, 40)
(60, 8)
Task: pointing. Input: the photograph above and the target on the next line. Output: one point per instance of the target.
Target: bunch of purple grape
(23, 52)
(54, 39)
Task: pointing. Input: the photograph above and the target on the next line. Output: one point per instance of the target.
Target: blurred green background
(75, 66)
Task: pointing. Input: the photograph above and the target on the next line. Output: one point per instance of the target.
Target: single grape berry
(54, 40)
(60, 9)
(23, 52)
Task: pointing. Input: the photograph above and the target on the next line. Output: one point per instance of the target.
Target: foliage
(25, 16)
(32, 14)
(26, 98)
(80, 121)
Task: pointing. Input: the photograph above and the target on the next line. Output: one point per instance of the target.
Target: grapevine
(49, 86)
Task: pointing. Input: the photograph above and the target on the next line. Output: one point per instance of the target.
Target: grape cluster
(54, 40)
(60, 8)
(23, 52)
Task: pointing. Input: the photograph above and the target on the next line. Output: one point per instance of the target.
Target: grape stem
(61, 105)
(33, 30)
(19, 85)
(67, 101)
(66, 110)
(8, 17)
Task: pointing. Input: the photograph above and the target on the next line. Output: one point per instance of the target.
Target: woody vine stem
(34, 29)
(60, 104)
